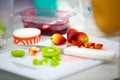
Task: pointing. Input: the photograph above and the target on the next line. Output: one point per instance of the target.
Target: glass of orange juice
(106, 15)
(101, 17)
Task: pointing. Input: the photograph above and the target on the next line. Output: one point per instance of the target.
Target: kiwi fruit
(50, 51)
(2, 30)
(17, 53)
(2, 27)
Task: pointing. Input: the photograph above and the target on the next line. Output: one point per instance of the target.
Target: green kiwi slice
(17, 53)
(2, 27)
(50, 51)
(2, 30)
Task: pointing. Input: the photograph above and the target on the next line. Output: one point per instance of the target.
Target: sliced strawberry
(77, 43)
(70, 44)
(98, 46)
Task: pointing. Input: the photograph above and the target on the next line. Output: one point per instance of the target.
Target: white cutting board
(68, 66)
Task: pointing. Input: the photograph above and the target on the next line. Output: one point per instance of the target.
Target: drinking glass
(100, 18)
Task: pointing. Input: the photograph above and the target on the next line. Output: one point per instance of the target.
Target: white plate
(68, 66)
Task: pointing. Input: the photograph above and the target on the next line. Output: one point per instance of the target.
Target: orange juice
(107, 15)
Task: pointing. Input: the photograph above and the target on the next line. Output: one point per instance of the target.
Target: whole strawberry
(81, 37)
(77, 36)
(70, 34)
(58, 39)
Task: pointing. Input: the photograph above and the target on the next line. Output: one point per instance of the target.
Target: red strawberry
(81, 37)
(58, 39)
(78, 37)
(70, 34)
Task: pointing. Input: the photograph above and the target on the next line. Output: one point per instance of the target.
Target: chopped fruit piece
(93, 45)
(70, 34)
(17, 53)
(54, 58)
(45, 60)
(37, 62)
(58, 58)
(2, 27)
(70, 44)
(50, 51)
(58, 39)
(34, 50)
(77, 43)
(98, 46)
(40, 62)
(89, 45)
(54, 62)
(50, 55)
(85, 45)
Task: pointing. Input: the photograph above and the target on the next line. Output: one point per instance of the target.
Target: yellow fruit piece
(34, 50)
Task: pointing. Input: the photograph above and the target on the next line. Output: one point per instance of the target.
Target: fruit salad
(50, 55)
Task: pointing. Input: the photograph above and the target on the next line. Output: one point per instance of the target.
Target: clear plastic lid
(44, 16)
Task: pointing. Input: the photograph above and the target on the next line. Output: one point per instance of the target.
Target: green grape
(17, 53)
